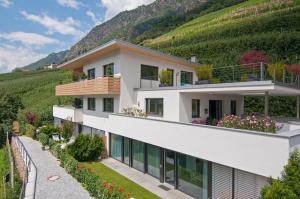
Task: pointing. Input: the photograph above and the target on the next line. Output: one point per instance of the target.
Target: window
(154, 106)
(149, 72)
(138, 155)
(193, 176)
(186, 77)
(91, 104)
(108, 105)
(116, 146)
(108, 70)
(153, 160)
(233, 107)
(126, 150)
(195, 108)
(91, 73)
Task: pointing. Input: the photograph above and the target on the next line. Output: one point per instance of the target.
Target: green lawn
(4, 168)
(116, 179)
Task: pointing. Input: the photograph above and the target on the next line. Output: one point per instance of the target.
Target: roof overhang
(115, 45)
(239, 88)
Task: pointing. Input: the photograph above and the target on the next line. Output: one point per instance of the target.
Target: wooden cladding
(98, 86)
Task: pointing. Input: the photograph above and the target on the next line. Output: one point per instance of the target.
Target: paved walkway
(65, 187)
(145, 180)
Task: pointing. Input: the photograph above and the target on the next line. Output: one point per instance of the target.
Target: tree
(288, 187)
(253, 57)
(9, 107)
(3, 130)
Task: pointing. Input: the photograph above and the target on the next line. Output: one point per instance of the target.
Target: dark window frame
(91, 106)
(105, 108)
(197, 115)
(156, 112)
(184, 79)
(91, 74)
(233, 107)
(149, 75)
(105, 70)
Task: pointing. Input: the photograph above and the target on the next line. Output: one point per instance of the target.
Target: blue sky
(31, 29)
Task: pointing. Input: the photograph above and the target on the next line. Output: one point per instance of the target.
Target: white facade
(251, 154)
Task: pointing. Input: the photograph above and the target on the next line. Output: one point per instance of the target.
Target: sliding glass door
(153, 160)
(126, 150)
(138, 155)
(170, 167)
(116, 147)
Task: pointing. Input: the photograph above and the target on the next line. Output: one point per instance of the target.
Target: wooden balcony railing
(98, 86)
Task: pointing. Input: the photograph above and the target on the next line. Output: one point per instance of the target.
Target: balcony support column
(266, 103)
(298, 107)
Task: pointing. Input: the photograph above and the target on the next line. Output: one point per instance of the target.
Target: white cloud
(12, 57)
(93, 17)
(113, 7)
(5, 3)
(28, 38)
(67, 27)
(70, 3)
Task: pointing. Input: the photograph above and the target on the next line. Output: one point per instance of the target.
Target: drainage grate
(164, 187)
(53, 178)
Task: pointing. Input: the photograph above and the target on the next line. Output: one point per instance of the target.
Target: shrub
(29, 130)
(134, 112)
(253, 57)
(204, 72)
(30, 117)
(294, 68)
(165, 77)
(49, 129)
(252, 123)
(288, 187)
(86, 147)
(67, 129)
(68, 162)
(44, 139)
(3, 130)
(276, 71)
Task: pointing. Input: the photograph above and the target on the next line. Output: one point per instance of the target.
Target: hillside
(130, 24)
(222, 36)
(51, 58)
(37, 88)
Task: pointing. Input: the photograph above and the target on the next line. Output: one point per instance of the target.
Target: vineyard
(36, 88)
(221, 37)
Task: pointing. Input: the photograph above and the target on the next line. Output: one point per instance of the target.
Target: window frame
(182, 74)
(197, 108)
(105, 70)
(156, 112)
(90, 108)
(153, 76)
(89, 77)
(105, 103)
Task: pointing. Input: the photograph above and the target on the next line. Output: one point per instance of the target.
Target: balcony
(68, 113)
(98, 86)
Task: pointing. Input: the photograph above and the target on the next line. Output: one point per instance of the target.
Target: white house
(200, 160)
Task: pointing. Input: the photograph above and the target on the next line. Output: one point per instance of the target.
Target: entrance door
(215, 109)
(170, 167)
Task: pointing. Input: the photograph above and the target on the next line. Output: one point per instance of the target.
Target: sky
(32, 29)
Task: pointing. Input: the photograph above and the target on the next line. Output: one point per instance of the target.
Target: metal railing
(30, 170)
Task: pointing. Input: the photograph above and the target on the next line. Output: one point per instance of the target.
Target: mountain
(221, 37)
(129, 24)
(51, 58)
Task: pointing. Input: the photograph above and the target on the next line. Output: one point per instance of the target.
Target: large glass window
(108, 105)
(186, 77)
(195, 108)
(138, 155)
(116, 147)
(149, 72)
(154, 106)
(91, 73)
(108, 70)
(126, 150)
(91, 104)
(193, 176)
(153, 160)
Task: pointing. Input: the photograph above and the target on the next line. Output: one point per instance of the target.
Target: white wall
(99, 105)
(68, 113)
(252, 152)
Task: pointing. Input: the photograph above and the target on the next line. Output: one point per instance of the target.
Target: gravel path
(66, 187)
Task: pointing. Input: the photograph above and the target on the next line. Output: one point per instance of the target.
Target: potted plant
(276, 71)
(83, 76)
(244, 78)
(165, 77)
(204, 74)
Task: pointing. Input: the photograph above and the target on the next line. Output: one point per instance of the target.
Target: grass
(118, 180)
(3, 168)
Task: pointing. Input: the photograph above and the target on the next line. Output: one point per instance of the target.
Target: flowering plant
(134, 112)
(253, 123)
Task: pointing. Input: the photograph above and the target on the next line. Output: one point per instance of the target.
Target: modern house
(174, 143)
